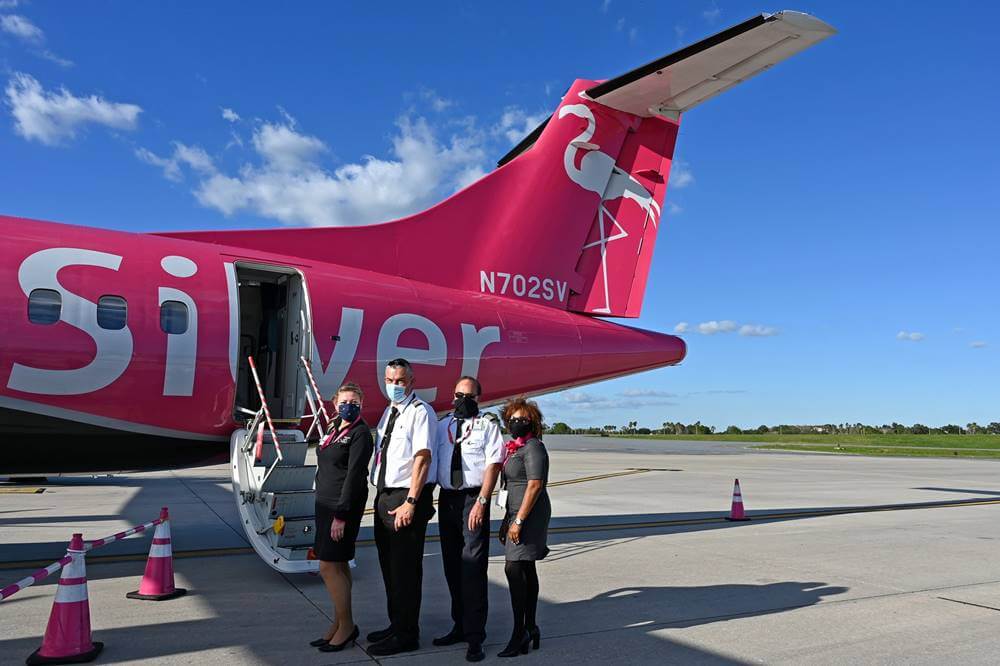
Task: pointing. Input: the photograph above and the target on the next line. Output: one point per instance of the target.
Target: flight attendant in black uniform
(341, 494)
(526, 523)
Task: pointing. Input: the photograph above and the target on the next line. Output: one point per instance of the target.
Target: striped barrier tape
(45, 572)
(315, 389)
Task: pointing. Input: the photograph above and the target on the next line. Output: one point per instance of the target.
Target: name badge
(502, 499)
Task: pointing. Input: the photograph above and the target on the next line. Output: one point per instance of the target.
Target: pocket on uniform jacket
(388, 502)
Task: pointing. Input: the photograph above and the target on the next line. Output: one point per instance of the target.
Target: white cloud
(757, 330)
(436, 102)
(191, 156)
(21, 28)
(230, 115)
(620, 24)
(682, 327)
(712, 14)
(633, 34)
(680, 174)
(911, 337)
(516, 123)
(8, 4)
(647, 393)
(713, 327)
(604, 6)
(286, 180)
(51, 117)
(679, 31)
(673, 209)
(977, 344)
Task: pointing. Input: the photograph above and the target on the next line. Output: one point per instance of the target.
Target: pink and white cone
(736, 512)
(158, 580)
(67, 635)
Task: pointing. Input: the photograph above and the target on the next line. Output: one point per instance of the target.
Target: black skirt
(327, 549)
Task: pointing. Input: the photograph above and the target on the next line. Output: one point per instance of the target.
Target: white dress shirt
(482, 445)
(412, 433)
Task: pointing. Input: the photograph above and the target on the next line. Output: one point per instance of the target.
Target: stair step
(293, 448)
(298, 532)
(285, 478)
(293, 503)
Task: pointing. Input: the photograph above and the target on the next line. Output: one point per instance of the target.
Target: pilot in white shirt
(403, 478)
(468, 459)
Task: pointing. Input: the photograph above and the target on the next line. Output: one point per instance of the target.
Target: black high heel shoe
(337, 647)
(517, 645)
(318, 642)
(536, 637)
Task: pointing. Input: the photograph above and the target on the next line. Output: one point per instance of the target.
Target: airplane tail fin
(570, 217)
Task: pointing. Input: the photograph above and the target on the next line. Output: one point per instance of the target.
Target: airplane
(131, 350)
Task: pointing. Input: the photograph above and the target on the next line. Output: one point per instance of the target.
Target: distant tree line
(697, 428)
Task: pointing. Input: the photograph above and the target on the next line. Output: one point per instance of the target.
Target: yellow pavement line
(20, 491)
(569, 529)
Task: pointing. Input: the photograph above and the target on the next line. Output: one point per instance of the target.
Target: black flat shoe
(318, 642)
(337, 647)
(380, 635)
(451, 638)
(519, 644)
(475, 652)
(392, 645)
(536, 637)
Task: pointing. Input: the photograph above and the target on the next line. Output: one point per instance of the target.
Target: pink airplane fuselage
(126, 380)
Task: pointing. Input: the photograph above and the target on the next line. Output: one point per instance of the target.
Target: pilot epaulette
(444, 416)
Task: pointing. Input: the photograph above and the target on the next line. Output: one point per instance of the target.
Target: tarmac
(847, 560)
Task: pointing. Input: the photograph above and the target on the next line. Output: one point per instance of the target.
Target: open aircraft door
(273, 486)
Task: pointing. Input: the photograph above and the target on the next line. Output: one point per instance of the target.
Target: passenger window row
(45, 307)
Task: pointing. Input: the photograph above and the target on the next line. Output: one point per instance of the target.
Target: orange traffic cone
(158, 580)
(736, 513)
(67, 636)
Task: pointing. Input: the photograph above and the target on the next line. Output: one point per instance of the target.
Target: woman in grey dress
(525, 475)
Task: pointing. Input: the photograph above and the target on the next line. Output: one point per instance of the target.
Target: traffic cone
(158, 580)
(67, 636)
(736, 513)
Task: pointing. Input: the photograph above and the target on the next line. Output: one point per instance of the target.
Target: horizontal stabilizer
(674, 83)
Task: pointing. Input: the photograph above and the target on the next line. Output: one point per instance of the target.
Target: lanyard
(334, 438)
(451, 437)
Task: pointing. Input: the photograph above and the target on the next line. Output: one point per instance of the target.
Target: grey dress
(530, 462)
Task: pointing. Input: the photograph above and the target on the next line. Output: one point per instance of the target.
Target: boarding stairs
(273, 486)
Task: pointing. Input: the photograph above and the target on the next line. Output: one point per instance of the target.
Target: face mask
(395, 392)
(349, 411)
(466, 407)
(520, 427)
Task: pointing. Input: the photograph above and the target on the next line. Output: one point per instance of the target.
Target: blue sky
(844, 202)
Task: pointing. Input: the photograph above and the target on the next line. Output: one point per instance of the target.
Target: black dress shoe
(380, 635)
(452, 637)
(393, 645)
(519, 644)
(337, 647)
(318, 642)
(475, 652)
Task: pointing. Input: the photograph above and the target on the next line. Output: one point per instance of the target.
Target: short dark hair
(401, 363)
(470, 378)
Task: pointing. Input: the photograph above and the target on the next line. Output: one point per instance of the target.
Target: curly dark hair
(528, 406)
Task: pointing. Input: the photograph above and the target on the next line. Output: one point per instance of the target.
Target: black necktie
(457, 478)
(380, 486)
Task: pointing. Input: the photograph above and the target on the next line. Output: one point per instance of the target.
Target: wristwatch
(483, 500)
(518, 522)
(411, 500)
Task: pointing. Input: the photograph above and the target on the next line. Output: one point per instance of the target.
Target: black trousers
(401, 558)
(465, 554)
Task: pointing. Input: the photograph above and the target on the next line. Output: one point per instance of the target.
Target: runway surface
(849, 560)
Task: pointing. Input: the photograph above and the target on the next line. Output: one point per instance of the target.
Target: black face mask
(466, 407)
(520, 427)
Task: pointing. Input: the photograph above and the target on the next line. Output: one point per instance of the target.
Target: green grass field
(968, 446)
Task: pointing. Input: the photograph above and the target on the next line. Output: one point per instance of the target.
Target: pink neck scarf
(516, 443)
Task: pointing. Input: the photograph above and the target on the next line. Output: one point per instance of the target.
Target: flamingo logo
(598, 173)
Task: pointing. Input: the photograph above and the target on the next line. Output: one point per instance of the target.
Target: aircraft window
(112, 312)
(174, 317)
(44, 306)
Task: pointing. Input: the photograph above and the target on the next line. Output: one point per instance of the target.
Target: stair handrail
(315, 399)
